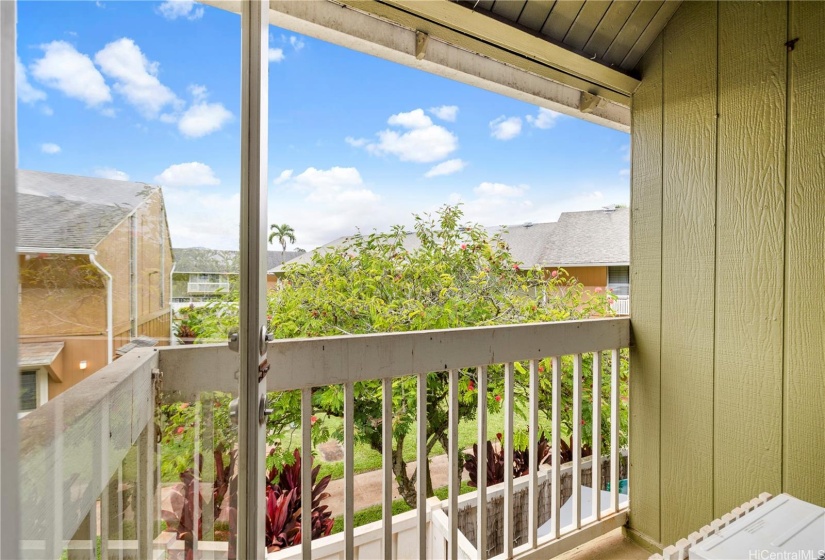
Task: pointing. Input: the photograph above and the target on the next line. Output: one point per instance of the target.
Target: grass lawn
(367, 459)
(374, 513)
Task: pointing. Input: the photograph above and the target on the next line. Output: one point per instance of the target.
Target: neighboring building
(95, 262)
(202, 275)
(592, 246)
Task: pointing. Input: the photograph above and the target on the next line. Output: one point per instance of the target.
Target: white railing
(206, 287)
(309, 363)
(75, 447)
(621, 305)
(78, 451)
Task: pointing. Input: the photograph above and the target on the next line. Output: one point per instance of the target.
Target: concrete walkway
(369, 485)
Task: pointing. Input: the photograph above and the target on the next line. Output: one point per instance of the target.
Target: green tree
(447, 274)
(284, 233)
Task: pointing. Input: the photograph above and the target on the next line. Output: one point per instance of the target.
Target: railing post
(386, 467)
(596, 417)
(533, 488)
(481, 473)
(576, 448)
(508, 459)
(146, 489)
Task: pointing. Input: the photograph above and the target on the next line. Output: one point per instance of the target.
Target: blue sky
(150, 91)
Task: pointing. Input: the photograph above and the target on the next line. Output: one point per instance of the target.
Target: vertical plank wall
(688, 250)
(645, 292)
(804, 422)
(751, 220)
(728, 264)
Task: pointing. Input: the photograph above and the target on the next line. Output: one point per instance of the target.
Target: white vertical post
(54, 533)
(197, 506)
(533, 488)
(555, 496)
(596, 459)
(577, 440)
(614, 431)
(421, 469)
(306, 473)
(481, 489)
(508, 460)
(455, 480)
(102, 463)
(120, 510)
(9, 374)
(386, 465)
(349, 489)
(254, 153)
(145, 488)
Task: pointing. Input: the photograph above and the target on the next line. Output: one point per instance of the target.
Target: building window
(28, 390)
(618, 280)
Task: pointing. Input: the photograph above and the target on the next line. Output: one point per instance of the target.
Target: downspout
(133, 274)
(109, 326)
(172, 341)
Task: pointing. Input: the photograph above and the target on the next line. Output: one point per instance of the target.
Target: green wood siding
(804, 414)
(645, 292)
(728, 264)
(688, 217)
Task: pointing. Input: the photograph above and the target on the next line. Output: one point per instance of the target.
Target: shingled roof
(592, 238)
(57, 211)
(195, 260)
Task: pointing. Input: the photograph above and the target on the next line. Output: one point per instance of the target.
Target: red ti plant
(495, 461)
(181, 518)
(283, 506)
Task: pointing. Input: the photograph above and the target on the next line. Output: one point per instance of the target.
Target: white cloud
(111, 173)
(26, 92)
(333, 185)
(136, 78)
(356, 142)
(324, 204)
(199, 219)
(447, 113)
(203, 118)
(276, 55)
(174, 9)
(624, 172)
(413, 119)
(546, 118)
(192, 174)
(504, 128)
(499, 190)
(46, 110)
(65, 69)
(285, 176)
(446, 168)
(50, 148)
(296, 42)
(423, 141)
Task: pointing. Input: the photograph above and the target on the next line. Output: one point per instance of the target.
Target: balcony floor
(612, 546)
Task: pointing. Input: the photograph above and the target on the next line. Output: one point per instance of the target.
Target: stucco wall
(728, 264)
(60, 294)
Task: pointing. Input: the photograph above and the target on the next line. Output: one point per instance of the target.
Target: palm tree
(284, 233)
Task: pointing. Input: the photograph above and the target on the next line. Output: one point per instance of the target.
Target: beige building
(95, 273)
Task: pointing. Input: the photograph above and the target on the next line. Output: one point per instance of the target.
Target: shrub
(283, 505)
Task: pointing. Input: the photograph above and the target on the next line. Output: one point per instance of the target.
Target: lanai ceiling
(614, 32)
(573, 56)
